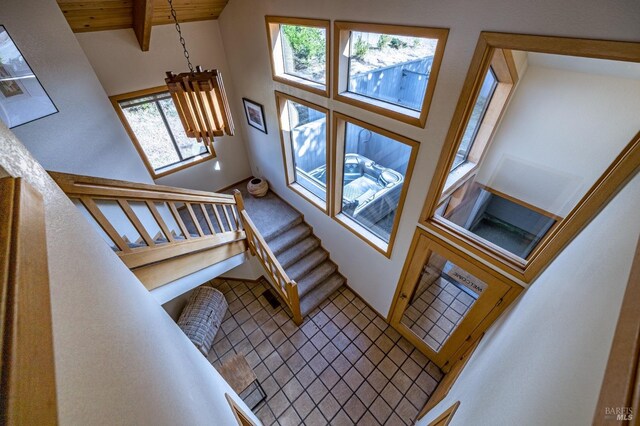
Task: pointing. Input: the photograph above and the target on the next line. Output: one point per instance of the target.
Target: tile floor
(343, 366)
(436, 310)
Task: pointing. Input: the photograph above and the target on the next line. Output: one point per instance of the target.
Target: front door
(444, 299)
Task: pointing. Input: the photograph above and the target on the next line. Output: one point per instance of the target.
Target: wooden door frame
(422, 245)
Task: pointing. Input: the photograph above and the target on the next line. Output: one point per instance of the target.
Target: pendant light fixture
(199, 98)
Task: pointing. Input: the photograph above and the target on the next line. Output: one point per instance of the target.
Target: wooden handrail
(77, 186)
(27, 385)
(619, 400)
(172, 209)
(286, 288)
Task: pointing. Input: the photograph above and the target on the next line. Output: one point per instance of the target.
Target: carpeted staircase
(293, 243)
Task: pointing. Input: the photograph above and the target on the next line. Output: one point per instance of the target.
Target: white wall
(543, 362)
(86, 136)
(244, 36)
(122, 67)
(119, 358)
(561, 131)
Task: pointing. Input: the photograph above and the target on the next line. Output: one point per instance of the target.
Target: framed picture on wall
(22, 97)
(255, 114)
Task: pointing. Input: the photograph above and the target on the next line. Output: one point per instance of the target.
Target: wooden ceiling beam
(101, 15)
(142, 22)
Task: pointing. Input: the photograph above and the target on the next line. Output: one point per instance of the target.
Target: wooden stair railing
(27, 379)
(286, 288)
(215, 232)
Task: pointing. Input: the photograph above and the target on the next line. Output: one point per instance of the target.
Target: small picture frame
(255, 114)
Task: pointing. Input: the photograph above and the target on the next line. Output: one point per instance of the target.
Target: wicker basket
(201, 318)
(258, 187)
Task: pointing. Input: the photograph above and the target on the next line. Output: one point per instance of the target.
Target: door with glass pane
(443, 299)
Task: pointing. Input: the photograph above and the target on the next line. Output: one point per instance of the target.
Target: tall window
(480, 108)
(388, 69)
(304, 137)
(153, 124)
(299, 52)
(374, 168)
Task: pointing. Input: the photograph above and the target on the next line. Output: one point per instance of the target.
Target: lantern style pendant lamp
(200, 99)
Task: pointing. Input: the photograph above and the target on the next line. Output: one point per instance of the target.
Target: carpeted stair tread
(273, 233)
(316, 296)
(315, 277)
(297, 251)
(298, 270)
(289, 238)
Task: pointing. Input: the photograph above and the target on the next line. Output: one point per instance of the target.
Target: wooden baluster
(178, 219)
(217, 215)
(206, 218)
(156, 215)
(226, 215)
(196, 223)
(124, 204)
(237, 195)
(104, 223)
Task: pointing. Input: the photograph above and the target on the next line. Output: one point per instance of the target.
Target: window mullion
(166, 123)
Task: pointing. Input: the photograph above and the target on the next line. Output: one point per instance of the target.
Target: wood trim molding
(449, 379)
(341, 34)
(115, 99)
(445, 418)
(622, 169)
(287, 154)
(337, 148)
(273, 27)
(621, 385)
(241, 417)
(28, 385)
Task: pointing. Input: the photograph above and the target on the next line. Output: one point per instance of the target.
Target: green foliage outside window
(307, 43)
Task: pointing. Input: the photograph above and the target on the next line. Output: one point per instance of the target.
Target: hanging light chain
(182, 42)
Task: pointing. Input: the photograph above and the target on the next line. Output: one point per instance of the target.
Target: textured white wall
(561, 131)
(119, 358)
(244, 36)
(86, 136)
(122, 67)
(543, 362)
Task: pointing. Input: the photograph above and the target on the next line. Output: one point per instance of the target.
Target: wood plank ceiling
(141, 15)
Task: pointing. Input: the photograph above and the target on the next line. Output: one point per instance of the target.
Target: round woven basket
(258, 187)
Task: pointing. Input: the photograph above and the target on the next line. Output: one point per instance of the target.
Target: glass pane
(147, 124)
(390, 68)
(486, 92)
(566, 121)
(442, 298)
(189, 147)
(309, 147)
(304, 52)
(373, 176)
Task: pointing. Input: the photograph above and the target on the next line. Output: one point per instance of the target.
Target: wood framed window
(150, 118)
(531, 157)
(299, 52)
(388, 69)
(305, 148)
(372, 170)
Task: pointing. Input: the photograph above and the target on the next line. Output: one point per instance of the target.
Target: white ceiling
(619, 69)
